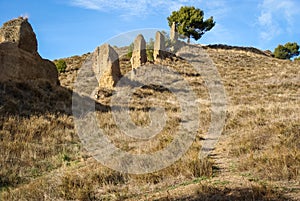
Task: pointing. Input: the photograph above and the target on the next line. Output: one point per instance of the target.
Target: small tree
(61, 65)
(190, 23)
(287, 51)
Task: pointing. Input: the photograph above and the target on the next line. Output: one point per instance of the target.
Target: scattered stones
(139, 55)
(19, 31)
(106, 66)
(159, 46)
(19, 59)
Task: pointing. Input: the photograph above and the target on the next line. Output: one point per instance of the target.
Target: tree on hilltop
(287, 51)
(190, 22)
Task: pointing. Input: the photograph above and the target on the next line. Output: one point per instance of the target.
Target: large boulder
(19, 59)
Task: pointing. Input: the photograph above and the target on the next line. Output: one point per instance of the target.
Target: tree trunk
(188, 40)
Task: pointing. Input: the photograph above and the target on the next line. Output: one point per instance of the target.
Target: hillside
(257, 157)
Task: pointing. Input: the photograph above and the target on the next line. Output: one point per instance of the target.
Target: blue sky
(73, 27)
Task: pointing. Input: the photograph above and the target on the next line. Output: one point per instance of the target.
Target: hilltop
(257, 158)
(42, 157)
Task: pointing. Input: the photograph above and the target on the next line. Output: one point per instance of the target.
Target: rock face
(139, 55)
(19, 59)
(159, 46)
(19, 31)
(106, 66)
(17, 65)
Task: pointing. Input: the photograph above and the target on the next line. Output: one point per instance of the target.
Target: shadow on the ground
(26, 99)
(227, 194)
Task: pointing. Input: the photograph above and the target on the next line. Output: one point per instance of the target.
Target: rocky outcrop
(19, 31)
(19, 59)
(106, 66)
(18, 65)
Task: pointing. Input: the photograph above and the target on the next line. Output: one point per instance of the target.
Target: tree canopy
(287, 51)
(190, 22)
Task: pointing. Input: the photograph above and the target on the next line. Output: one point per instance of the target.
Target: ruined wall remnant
(173, 33)
(19, 59)
(139, 55)
(159, 46)
(106, 66)
(19, 31)
(174, 38)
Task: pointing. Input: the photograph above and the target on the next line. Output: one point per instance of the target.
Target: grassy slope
(258, 157)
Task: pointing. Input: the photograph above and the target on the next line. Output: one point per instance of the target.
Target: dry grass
(42, 157)
(36, 132)
(263, 118)
(73, 65)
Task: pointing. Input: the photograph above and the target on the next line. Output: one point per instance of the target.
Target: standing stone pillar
(106, 66)
(139, 55)
(173, 37)
(159, 46)
(173, 33)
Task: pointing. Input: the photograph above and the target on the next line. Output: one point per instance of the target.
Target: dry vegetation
(258, 157)
(73, 65)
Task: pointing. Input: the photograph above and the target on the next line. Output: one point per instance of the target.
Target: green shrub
(150, 49)
(130, 50)
(61, 65)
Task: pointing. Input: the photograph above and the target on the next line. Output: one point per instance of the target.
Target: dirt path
(227, 184)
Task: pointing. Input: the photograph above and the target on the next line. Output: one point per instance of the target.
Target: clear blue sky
(73, 27)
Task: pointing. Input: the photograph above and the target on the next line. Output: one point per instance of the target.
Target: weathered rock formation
(18, 65)
(106, 66)
(159, 46)
(139, 55)
(19, 31)
(19, 59)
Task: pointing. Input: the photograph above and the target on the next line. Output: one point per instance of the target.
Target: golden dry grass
(263, 114)
(258, 157)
